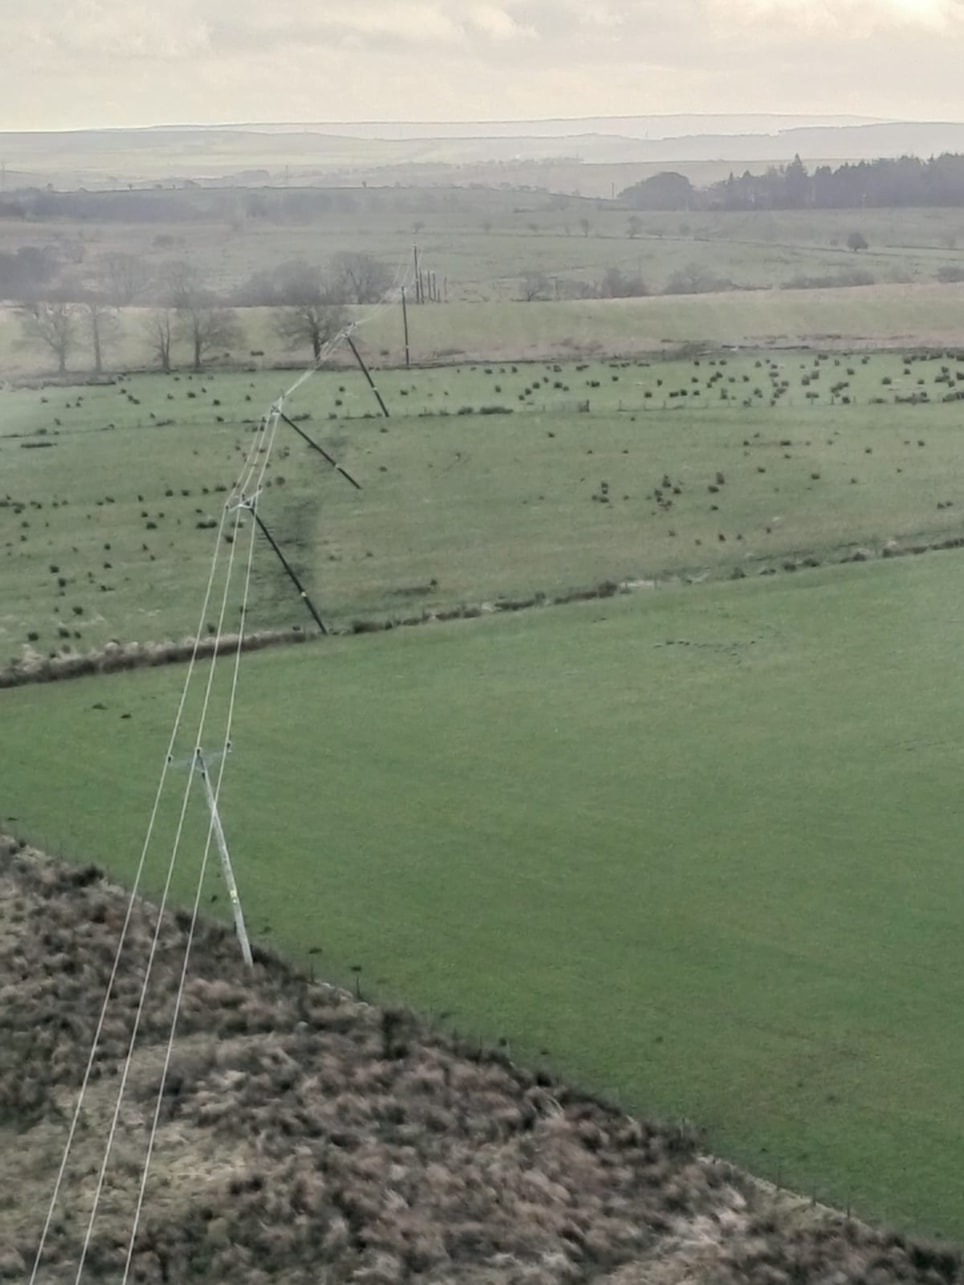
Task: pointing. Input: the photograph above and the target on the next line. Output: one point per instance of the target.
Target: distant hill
(429, 153)
(654, 127)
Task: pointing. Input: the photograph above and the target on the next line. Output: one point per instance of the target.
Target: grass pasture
(482, 243)
(110, 491)
(697, 848)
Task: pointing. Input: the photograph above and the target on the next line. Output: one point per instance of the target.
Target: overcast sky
(74, 63)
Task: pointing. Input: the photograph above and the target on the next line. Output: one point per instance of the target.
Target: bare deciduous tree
(178, 282)
(206, 326)
(616, 284)
(310, 309)
(122, 278)
(199, 319)
(310, 322)
(160, 336)
(360, 277)
(534, 286)
(100, 319)
(52, 324)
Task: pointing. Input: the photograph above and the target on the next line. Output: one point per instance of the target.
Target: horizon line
(481, 123)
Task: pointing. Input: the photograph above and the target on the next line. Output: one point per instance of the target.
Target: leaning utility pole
(366, 372)
(250, 503)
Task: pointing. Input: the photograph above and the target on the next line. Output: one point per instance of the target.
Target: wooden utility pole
(408, 355)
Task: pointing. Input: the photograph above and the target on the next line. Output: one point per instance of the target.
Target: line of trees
(881, 184)
(538, 286)
(62, 327)
(615, 283)
(167, 205)
(309, 308)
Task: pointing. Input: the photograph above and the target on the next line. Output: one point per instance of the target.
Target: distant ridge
(589, 156)
(677, 125)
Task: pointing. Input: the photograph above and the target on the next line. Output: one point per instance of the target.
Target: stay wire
(240, 488)
(275, 418)
(132, 901)
(164, 899)
(226, 743)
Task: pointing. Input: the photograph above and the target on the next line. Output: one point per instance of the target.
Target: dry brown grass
(307, 1137)
(34, 667)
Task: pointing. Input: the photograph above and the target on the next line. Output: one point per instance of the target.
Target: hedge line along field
(697, 849)
(490, 482)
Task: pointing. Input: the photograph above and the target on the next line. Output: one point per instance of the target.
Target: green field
(693, 846)
(109, 492)
(697, 848)
(481, 242)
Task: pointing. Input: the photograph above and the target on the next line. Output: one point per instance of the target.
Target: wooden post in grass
(418, 278)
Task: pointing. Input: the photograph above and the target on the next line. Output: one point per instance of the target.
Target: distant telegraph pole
(408, 355)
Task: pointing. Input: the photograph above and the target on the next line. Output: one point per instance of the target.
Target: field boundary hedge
(115, 658)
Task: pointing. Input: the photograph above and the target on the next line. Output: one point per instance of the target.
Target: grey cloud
(402, 25)
(113, 61)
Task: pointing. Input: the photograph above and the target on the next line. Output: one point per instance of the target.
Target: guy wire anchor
(199, 764)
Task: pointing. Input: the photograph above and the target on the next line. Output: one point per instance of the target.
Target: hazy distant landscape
(585, 157)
